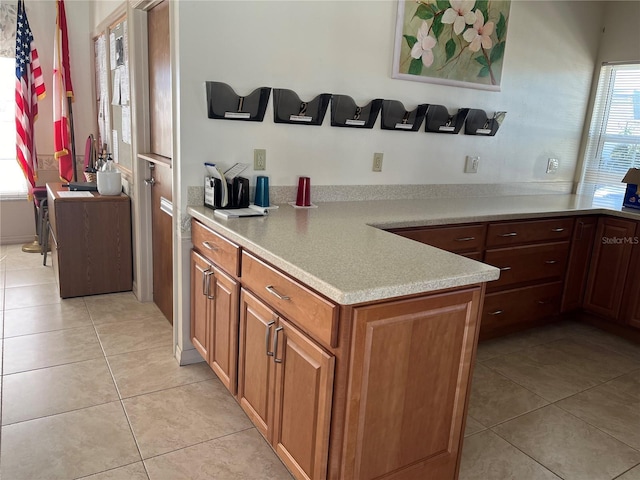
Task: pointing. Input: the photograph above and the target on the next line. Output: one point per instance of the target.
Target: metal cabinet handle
(544, 302)
(558, 230)
(465, 239)
(550, 262)
(210, 246)
(150, 181)
(497, 312)
(275, 345)
(272, 291)
(511, 234)
(209, 274)
(505, 269)
(266, 337)
(581, 223)
(205, 276)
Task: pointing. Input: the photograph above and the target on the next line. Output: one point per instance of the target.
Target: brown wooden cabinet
(90, 242)
(408, 386)
(285, 385)
(214, 304)
(631, 298)
(578, 264)
(466, 240)
(609, 267)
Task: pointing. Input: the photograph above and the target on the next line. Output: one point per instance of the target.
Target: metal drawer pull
(465, 239)
(550, 262)
(505, 269)
(266, 337)
(209, 296)
(275, 345)
(272, 291)
(497, 312)
(557, 230)
(544, 302)
(511, 234)
(205, 274)
(210, 246)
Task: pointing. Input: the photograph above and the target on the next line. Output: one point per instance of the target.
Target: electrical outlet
(471, 165)
(552, 165)
(259, 159)
(377, 162)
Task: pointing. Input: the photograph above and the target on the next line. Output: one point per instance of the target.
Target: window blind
(613, 143)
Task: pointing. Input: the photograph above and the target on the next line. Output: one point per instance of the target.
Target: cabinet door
(609, 266)
(406, 407)
(302, 407)
(255, 361)
(631, 300)
(224, 329)
(578, 266)
(200, 310)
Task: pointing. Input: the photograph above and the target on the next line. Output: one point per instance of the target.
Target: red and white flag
(29, 89)
(62, 89)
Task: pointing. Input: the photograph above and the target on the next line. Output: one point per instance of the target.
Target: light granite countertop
(341, 250)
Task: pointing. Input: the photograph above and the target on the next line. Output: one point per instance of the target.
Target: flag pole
(73, 139)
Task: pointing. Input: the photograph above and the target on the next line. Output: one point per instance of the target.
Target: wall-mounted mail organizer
(345, 112)
(224, 103)
(439, 121)
(478, 123)
(288, 108)
(396, 117)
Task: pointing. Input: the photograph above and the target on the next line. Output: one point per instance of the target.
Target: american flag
(29, 89)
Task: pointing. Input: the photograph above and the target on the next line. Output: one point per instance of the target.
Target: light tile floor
(90, 390)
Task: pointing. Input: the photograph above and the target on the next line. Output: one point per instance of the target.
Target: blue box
(632, 195)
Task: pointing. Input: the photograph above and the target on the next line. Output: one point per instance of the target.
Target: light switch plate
(471, 164)
(552, 165)
(377, 162)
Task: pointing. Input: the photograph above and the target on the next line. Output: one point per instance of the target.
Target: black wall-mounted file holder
(224, 103)
(345, 112)
(288, 108)
(439, 121)
(396, 117)
(479, 124)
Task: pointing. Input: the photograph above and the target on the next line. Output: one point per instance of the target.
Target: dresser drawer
(514, 233)
(309, 311)
(215, 248)
(521, 305)
(465, 238)
(527, 263)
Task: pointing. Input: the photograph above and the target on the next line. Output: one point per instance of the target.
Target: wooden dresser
(90, 241)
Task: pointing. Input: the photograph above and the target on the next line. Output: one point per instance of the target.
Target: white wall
(347, 47)
(621, 38)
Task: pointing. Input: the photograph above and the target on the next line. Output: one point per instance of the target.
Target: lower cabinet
(578, 264)
(408, 386)
(631, 299)
(214, 318)
(609, 267)
(285, 385)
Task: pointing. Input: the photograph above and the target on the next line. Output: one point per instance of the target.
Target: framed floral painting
(451, 42)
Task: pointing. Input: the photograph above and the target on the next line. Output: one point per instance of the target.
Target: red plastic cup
(304, 192)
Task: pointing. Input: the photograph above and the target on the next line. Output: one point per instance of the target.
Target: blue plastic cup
(262, 191)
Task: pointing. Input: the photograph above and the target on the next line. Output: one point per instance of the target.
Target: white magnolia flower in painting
(422, 48)
(459, 14)
(479, 34)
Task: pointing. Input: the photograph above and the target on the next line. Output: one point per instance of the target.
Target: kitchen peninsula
(353, 347)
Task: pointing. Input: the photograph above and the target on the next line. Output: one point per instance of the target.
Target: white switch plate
(259, 159)
(377, 162)
(471, 165)
(552, 165)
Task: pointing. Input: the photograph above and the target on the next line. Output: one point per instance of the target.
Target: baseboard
(187, 357)
(17, 239)
(630, 333)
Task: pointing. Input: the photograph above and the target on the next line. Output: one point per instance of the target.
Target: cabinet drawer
(466, 238)
(513, 233)
(528, 263)
(309, 311)
(216, 248)
(521, 305)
